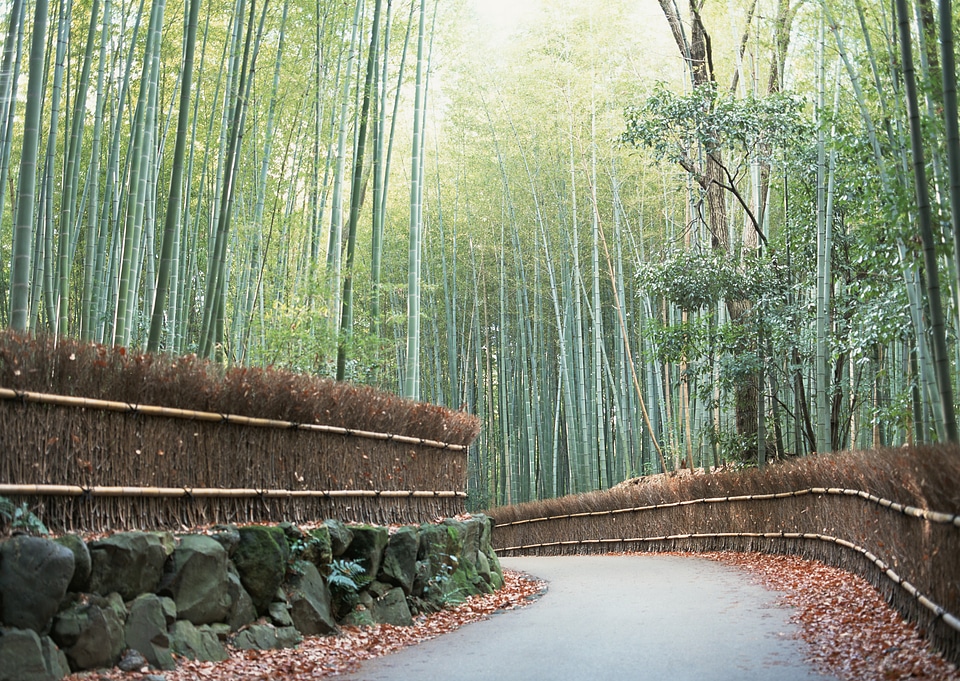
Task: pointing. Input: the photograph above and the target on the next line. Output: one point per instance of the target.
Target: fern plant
(20, 518)
(346, 579)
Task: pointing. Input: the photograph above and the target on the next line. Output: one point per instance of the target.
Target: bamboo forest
(630, 236)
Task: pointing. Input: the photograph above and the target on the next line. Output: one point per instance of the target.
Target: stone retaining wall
(138, 598)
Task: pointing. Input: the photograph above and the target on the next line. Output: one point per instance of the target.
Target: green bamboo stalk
(346, 317)
(23, 223)
(9, 71)
(411, 384)
(334, 247)
(946, 419)
(72, 174)
(169, 258)
(951, 126)
(212, 330)
(92, 240)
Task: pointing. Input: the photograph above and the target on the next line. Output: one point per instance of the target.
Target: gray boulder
(197, 643)
(279, 614)
(132, 661)
(392, 608)
(266, 637)
(399, 566)
(242, 610)
(309, 599)
(358, 617)
(91, 634)
(291, 531)
(367, 547)
(472, 531)
(437, 544)
(146, 631)
(129, 563)
(483, 567)
(456, 534)
(261, 562)
(81, 562)
(196, 578)
(25, 656)
(228, 536)
(34, 575)
(340, 536)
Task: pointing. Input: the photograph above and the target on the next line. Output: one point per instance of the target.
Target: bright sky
(503, 15)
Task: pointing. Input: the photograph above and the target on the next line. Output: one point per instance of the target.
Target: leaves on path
(850, 629)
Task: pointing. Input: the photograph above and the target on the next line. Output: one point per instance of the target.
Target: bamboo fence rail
(912, 511)
(92, 465)
(213, 417)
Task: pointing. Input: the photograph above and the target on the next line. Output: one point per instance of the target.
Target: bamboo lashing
(187, 414)
(214, 493)
(938, 611)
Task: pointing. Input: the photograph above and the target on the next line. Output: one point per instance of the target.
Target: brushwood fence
(910, 553)
(95, 465)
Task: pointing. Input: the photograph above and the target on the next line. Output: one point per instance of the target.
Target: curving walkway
(617, 618)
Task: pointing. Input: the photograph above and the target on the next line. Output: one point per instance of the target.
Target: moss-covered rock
(261, 564)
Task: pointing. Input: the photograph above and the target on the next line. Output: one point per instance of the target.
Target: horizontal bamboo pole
(214, 493)
(171, 412)
(911, 511)
(938, 611)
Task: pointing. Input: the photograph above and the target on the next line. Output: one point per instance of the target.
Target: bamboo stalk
(172, 412)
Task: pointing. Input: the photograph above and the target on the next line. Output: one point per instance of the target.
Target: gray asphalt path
(617, 618)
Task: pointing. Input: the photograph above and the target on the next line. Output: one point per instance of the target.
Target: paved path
(617, 618)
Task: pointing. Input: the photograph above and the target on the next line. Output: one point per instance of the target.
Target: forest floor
(848, 629)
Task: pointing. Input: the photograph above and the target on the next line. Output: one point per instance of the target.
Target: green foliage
(674, 126)
(691, 280)
(20, 518)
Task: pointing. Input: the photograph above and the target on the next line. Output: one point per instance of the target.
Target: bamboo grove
(628, 236)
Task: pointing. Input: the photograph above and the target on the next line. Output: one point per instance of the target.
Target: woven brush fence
(890, 516)
(242, 445)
